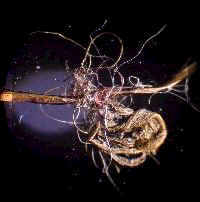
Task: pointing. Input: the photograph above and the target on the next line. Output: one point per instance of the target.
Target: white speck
(37, 67)
(55, 79)
(160, 109)
(20, 118)
(68, 27)
(181, 129)
(18, 78)
(129, 139)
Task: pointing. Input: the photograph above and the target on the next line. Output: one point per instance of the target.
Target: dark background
(33, 170)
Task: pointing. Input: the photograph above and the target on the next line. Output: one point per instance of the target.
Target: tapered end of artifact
(6, 96)
(187, 71)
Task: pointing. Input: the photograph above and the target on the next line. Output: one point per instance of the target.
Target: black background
(26, 173)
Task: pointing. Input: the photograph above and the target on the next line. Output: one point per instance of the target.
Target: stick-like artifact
(12, 96)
